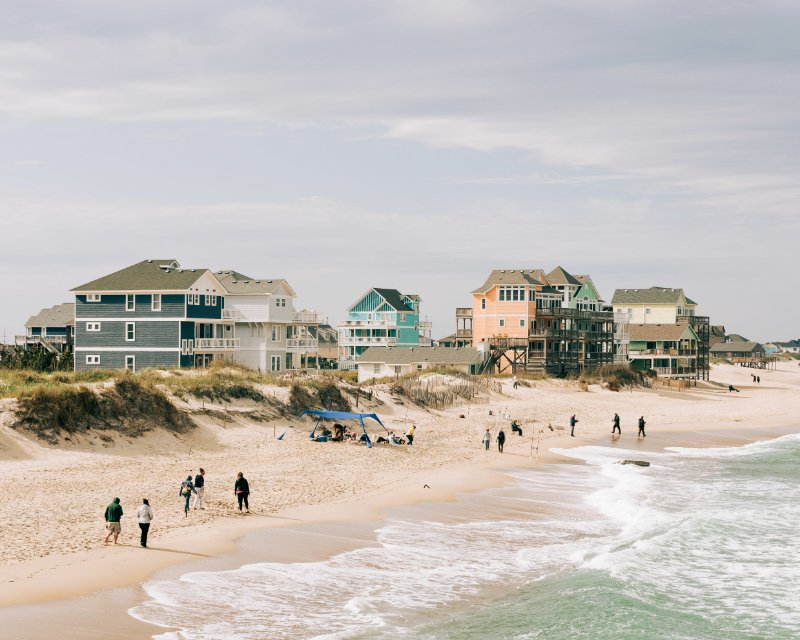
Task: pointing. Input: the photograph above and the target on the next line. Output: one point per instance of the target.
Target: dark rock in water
(638, 463)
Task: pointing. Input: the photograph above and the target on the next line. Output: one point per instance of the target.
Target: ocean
(703, 544)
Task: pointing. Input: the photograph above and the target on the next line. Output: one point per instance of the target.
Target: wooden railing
(216, 344)
(308, 317)
(302, 343)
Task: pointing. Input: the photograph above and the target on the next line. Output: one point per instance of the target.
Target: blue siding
(112, 334)
(116, 360)
(113, 306)
(203, 311)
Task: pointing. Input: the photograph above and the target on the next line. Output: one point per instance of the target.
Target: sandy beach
(52, 532)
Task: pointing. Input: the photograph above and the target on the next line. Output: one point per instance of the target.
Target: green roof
(393, 298)
(653, 295)
(62, 315)
(411, 355)
(236, 282)
(562, 277)
(147, 275)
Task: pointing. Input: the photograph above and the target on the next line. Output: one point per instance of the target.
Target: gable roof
(736, 347)
(236, 282)
(653, 295)
(512, 277)
(718, 330)
(735, 337)
(61, 315)
(412, 355)
(147, 275)
(393, 298)
(658, 332)
(562, 277)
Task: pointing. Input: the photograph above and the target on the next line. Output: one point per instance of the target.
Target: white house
(383, 362)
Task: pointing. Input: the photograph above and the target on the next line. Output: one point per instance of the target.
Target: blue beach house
(153, 314)
(381, 318)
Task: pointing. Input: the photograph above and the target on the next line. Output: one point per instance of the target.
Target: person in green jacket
(113, 517)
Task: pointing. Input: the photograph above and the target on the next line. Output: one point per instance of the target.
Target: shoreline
(310, 534)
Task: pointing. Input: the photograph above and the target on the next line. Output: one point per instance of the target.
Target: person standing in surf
(572, 422)
(615, 422)
(641, 427)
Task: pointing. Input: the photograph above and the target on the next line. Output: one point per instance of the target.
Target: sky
(405, 144)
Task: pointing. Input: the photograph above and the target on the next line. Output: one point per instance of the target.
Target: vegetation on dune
(616, 376)
(438, 389)
(325, 395)
(35, 358)
(131, 407)
(14, 382)
(214, 386)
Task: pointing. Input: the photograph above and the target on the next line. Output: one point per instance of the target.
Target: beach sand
(310, 500)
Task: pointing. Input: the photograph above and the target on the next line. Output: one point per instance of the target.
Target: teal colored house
(381, 318)
(153, 314)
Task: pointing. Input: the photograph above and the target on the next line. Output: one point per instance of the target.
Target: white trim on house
(94, 297)
(93, 359)
(130, 363)
(153, 305)
(126, 349)
(130, 329)
(130, 302)
(92, 327)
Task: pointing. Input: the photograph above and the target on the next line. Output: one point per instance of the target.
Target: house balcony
(463, 333)
(373, 341)
(20, 340)
(216, 345)
(302, 344)
(348, 364)
(308, 317)
(367, 324)
(664, 352)
(424, 341)
(231, 314)
(463, 312)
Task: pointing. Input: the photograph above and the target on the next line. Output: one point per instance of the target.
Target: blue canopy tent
(343, 415)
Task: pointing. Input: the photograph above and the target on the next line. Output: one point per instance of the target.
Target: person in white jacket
(145, 515)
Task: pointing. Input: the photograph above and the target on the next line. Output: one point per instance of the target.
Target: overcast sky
(408, 144)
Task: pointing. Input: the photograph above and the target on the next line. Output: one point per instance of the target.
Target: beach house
(52, 328)
(739, 350)
(381, 318)
(271, 335)
(661, 315)
(382, 362)
(154, 313)
(540, 321)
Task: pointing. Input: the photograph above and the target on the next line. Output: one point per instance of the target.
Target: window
(276, 333)
(130, 302)
(521, 322)
(208, 300)
(647, 311)
(511, 294)
(93, 297)
(193, 299)
(130, 363)
(130, 331)
(156, 302)
(502, 322)
(92, 359)
(187, 347)
(276, 363)
(402, 317)
(92, 326)
(211, 300)
(483, 303)
(280, 302)
(376, 369)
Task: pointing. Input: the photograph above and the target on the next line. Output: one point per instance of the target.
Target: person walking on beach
(758, 379)
(487, 439)
(187, 489)
(113, 517)
(641, 427)
(616, 425)
(410, 434)
(145, 515)
(572, 422)
(199, 489)
(501, 440)
(514, 381)
(242, 490)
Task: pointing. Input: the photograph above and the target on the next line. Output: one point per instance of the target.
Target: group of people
(501, 439)
(191, 486)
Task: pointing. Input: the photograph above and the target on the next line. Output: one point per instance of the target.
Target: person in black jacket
(641, 427)
(501, 440)
(242, 491)
(615, 424)
(199, 488)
